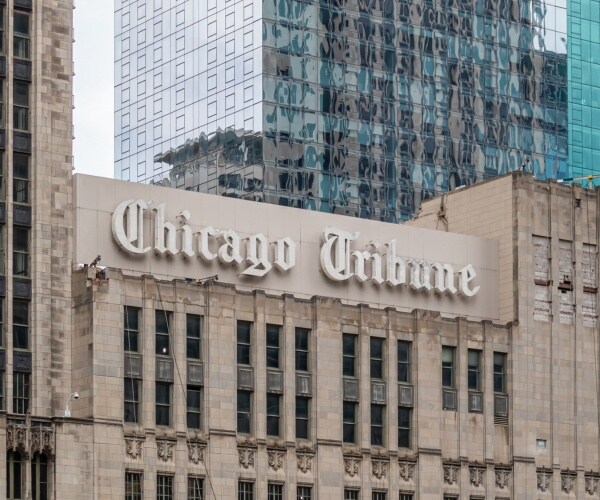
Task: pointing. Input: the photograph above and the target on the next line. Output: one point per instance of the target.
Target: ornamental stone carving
(164, 450)
(476, 476)
(502, 478)
(567, 481)
(379, 468)
(305, 461)
(42, 440)
(275, 459)
(406, 470)
(544, 479)
(16, 437)
(351, 466)
(196, 452)
(246, 456)
(133, 447)
(451, 473)
(592, 484)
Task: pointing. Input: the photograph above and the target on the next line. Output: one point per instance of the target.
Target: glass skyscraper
(359, 107)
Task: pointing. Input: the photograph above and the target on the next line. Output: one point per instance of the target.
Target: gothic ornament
(246, 456)
(195, 452)
(451, 473)
(592, 484)
(42, 440)
(164, 450)
(379, 468)
(351, 466)
(476, 476)
(567, 481)
(502, 478)
(133, 447)
(304, 462)
(16, 437)
(407, 470)
(275, 459)
(544, 479)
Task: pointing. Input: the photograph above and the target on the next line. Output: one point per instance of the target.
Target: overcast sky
(93, 115)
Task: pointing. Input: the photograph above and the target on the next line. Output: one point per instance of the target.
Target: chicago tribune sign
(377, 263)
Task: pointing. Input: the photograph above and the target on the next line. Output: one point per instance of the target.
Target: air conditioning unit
(303, 384)
(475, 401)
(245, 378)
(449, 399)
(405, 395)
(378, 393)
(350, 389)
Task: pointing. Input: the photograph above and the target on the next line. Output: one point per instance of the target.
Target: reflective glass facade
(359, 107)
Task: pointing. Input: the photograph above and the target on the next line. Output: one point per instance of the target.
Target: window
(244, 411)
(39, 477)
(21, 35)
(133, 485)
(163, 322)
(2, 29)
(302, 336)
(379, 495)
(245, 490)
(404, 349)
(304, 493)
(243, 342)
(404, 427)
(377, 416)
(20, 324)
(350, 422)
(474, 369)
(275, 491)
(448, 366)
(376, 357)
(192, 325)
(273, 414)
(351, 494)
(273, 346)
(14, 473)
(406, 496)
(1, 311)
(163, 403)
(349, 354)
(131, 328)
(164, 487)
(500, 372)
(194, 399)
(195, 488)
(131, 409)
(21, 178)
(20, 251)
(2, 393)
(302, 417)
(21, 393)
(21, 105)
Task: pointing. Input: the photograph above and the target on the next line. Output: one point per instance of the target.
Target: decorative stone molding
(247, 457)
(451, 473)
(476, 475)
(544, 479)
(502, 477)
(379, 468)
(21, 436)
(275, 459)
(164, 450)
(567, 480)
(133, 447)
(351, 466)
(305, 461)
(406, 469)
(42, 440)
(196, 452)
(592, 483)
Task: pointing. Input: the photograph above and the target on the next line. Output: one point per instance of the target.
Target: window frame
(129, 331)
(244, 345)
(245, 490)
(39, 476)
(500, 375)
(22, 37)
(21, 107)
(377, 424)
(273, 346)
(404, 365)
(20, 329)
(133, 400)
(193, 347)
(303, 492)
(161, 336)
(130, 485)
(195, 490)
(165, 491)
(302, 349)
(273, 415)
(21, 183)
(347, 424)
(303, 418)
(168, 405)
(449, 367)
(405, 428)
(21, 254)
(377, 360)
(245, 412)
(349, 356)
(194, 412)
(21, 392)
(474, 371)
(275, 491)
(14, 460)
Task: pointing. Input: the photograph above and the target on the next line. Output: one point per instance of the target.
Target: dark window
(14, 475)
(2, 391)
(21, 178)
(21, 392)
(21, 105)
(302, 336)
(404, 361)
(302, 417)
(500, 372)
(273, 414)
(379, 495)
(376, 357)
(2, 28)
(273, 346)
(350, 422)
(275, 491)
(448, 366)
(243, 342)
(192, 322)
(133, 486)
(377, 415)
(20, 324)
(406, 496)
(163, 403)
(195, 488)
(20, 251)
(164, 487)
(474, 369)
(131, 328)
(1, 318)
(245, 490)
(132, 400)
(244, 411)
(351, 494)
(349, 346)
(39, 477)
(194, 401)
(21, 35)
(304, 493)
(163, 323)
(404, 415)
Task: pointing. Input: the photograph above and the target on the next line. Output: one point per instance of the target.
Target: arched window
(13, 475)
(39, 477)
